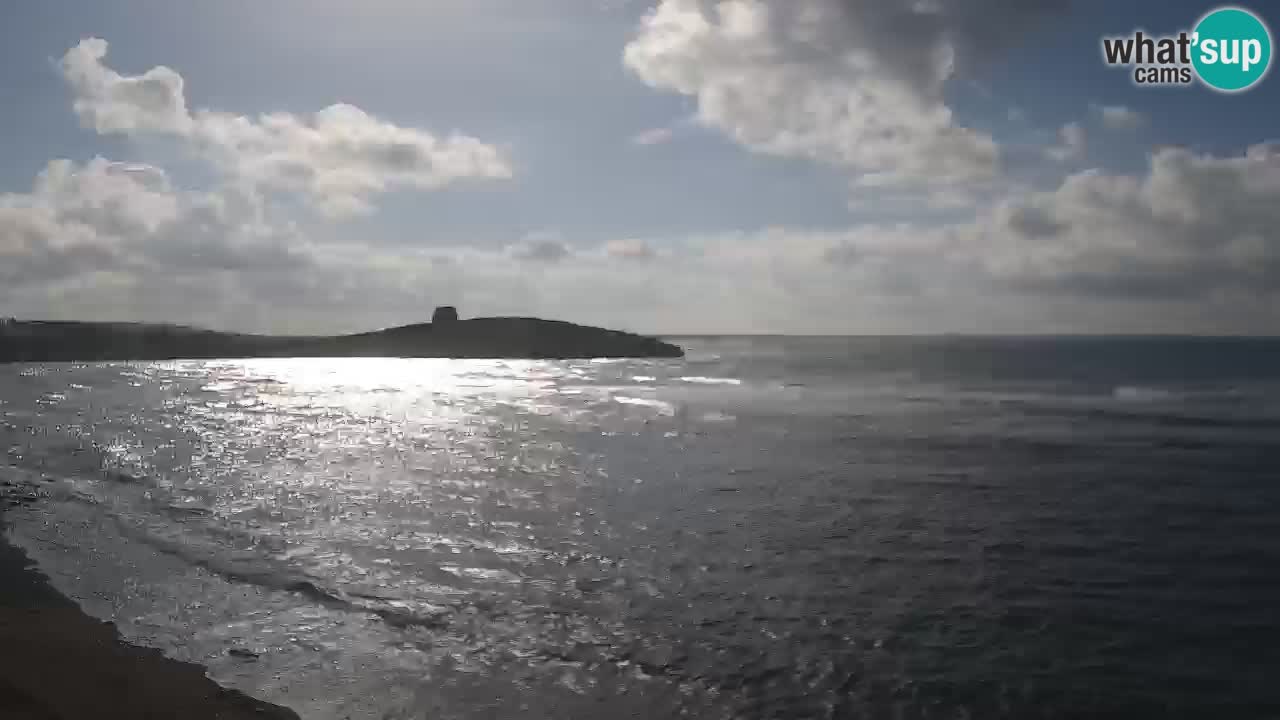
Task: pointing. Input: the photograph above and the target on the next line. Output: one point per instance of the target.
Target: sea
(770, 527)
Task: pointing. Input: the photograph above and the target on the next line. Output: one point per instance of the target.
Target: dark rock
(243, 654)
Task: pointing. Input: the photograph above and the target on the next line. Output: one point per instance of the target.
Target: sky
(664, 166)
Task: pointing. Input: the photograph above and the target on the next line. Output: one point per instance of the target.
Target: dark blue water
(769, 528)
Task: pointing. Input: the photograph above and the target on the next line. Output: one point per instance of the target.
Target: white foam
(700, 380)
(663, 407)
(1136, 393)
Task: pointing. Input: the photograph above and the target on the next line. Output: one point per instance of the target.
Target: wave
(662, 407)
(597, 644)
(1124, 398)
(278, 576)
(180, 541)
(701, 380)
(1185, 419)
(1138, 393)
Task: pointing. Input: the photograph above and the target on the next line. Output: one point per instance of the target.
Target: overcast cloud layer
(1187, 243)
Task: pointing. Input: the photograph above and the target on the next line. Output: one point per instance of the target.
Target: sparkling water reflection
(767, 529)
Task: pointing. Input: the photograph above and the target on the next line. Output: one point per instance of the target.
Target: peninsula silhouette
(446, 336)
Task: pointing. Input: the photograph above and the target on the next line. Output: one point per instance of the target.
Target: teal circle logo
(1231, 49)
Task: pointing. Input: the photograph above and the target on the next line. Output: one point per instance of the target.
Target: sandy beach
(56, 663)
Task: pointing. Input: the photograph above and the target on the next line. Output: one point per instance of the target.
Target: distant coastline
(445, 337)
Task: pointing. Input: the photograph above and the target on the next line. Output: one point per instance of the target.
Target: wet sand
(56, 663)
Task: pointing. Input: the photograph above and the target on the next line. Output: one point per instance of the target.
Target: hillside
(503, 337)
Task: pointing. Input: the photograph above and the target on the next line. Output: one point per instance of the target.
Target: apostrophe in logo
(1232, 49)
(1229, 50)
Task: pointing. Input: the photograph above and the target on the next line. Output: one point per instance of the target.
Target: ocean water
(768, 528)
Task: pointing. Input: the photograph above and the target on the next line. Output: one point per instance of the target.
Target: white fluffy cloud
(339, 158)
(342, 156)
(127, 220)
(75, 219)
(1194, 226)
(854, 83)
(109, 102)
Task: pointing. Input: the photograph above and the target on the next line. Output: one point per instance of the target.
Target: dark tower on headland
(444, 314)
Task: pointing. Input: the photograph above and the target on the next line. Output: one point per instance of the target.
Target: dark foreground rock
(477, 338)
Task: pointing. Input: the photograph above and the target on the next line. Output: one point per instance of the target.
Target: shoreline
(58, 663)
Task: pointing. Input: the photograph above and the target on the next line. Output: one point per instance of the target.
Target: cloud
(36, 247)
(1187, 244)
(655, 136)
(1027, 220)
(341, 156)
(630, 249)
(109, 102)
(106, 240)
(338, 158)
(541, 247)
(1119, 117)
(128, 219)
(1072, 143)
(1194, 226)
(76, 220)
(858, 84)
